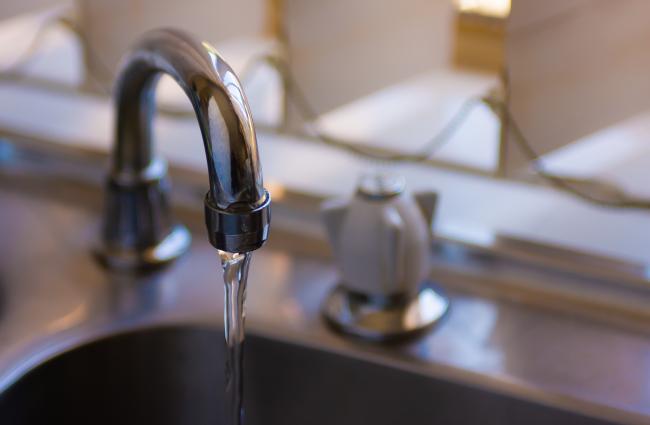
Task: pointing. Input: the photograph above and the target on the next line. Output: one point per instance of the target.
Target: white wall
(111, 26)
(575, 66)
(9, 8)
(341, 50)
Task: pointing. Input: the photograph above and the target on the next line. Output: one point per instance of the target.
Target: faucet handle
(427, 201)
(333, 213)
(381, 240)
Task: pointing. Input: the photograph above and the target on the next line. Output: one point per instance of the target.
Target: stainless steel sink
(173, 375)
(491, 362)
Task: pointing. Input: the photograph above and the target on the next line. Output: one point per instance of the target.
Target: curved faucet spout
(237, 206)
(221, 110)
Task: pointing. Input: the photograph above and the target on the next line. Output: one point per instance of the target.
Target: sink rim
(199, 328)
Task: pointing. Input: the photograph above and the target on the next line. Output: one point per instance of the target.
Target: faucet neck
(237, 206)
(221, 109)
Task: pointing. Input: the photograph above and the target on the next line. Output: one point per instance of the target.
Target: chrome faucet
(138, 228)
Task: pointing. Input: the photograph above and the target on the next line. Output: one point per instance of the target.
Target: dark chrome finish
(384, 319)
(138, 227)
(237, 231)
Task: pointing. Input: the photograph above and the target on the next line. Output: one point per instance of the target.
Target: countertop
(53, 296)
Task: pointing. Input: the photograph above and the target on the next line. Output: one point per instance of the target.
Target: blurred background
(529, 119)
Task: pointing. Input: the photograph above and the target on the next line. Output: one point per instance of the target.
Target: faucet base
(384, 319)
(175, 244)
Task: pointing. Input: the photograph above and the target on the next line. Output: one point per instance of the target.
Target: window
(530, 124)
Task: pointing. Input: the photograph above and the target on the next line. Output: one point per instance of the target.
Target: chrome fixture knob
(381, 239)
(138, 228)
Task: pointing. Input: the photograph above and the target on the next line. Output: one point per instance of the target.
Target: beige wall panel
(575, 67)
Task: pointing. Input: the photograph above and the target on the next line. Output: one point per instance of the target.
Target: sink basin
(173, 375)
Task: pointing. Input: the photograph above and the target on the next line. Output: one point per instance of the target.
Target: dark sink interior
(174, 375)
